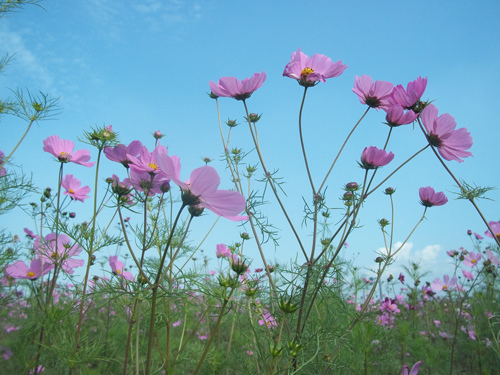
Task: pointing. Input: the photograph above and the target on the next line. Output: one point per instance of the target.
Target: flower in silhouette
(62, 149)
(441, 133)
(234, 88)
(308, 71)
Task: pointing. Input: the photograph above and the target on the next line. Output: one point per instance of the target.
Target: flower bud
(239, 266)
(244, 236)
(196, 210)
(352, 186)
(469, 232)
(389, 279)
(72, 215)
(212, 95)
(379, 260)
(383, 222)
(157, 134)
(231, 123)
(253, 117)
(389, 191)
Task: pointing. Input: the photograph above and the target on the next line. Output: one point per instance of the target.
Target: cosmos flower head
(62, 149)
(119, 153)
(429, 198)
(73, 189)
(373, 94)
(308, 71)
(373, 157)
(232, 87)
(410, 97)
(451, 143)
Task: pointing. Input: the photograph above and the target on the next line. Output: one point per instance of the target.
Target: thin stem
(302, 141)
(17, 145)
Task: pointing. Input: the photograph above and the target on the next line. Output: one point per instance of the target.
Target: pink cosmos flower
(73, 189)
(62, 149)
(150, 183)
(308, 71)
(396, 116)
(234, 88)
(20, 270)
(372, 157)
(201, 189)
(495, 227)
(222, 251)
(429, 198)
(414, 370)
(492, 258)
(30, 234)
(373, 94)
(441, 133)
(447, 283)
(59, 251)
(117, 267)
(3, 171)
(147, 162)
(472, 259)
(468, 275)
(120, 153)
(478, 236)
(268, 320)
(411, 96)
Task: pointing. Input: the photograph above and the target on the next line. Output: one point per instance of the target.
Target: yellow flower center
(445, 287)
(30, 274)
(306, 71)
(473, 261)
(63, 153)
(153, 166)
(71, 191)
(118, 272)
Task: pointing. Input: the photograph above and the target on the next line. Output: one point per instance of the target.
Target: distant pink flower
(441, 133)
(429, 198)
(73, 189)
(201, 189)
(222, 251)
(177, 323)
(445, 335)
(60, 251)
(119, 153)
(396, 116)
(478, 236)
(62, 149)
(472, 259)
(308, 71)
(268, 320)
(3, 171)
(234, 88)
(372, 157)
(492, 258)
(373, 94)
(117, 267)
(495, 227)
(411, 96)
(446, 284)
(30, 234)
(468, 275)
(437, 323)
(20, 270)
(414, 370)
(452, 253)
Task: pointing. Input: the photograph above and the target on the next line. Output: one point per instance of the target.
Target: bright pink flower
(73, 189)
(373, 94)
(308, 71)
(222, 251)
(441, 133)
(447, 283)
(117, 267)
(468, 275)
(495, 227)
(414, 369)
(492, 258)
(201, 189)
(411, 96)
(429, 198)
(372, 157)
(472, 259)
(62, 149)
(120, 153)
(20, 270)
(59, 252)
(234, 88)
(396, 116)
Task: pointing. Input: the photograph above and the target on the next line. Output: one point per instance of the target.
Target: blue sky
(146, 66)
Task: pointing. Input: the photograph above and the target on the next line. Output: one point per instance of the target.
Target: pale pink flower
(234, 88)
(492, 258)
(441, 133)
(308, 71)
(147, 161)
(20, 270)
(411, 96)
(472, 259)
(446, 284)
(201, 189)
(62, 149)
(60, 251)
(73, 189)
(429, 198)
(222, 251)
(414, 370)
(468, 275)
(373, 94)
(3, 171)
(119, 153)
(495, 227)
(372, 157)
(117, 267)
(396, 116)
